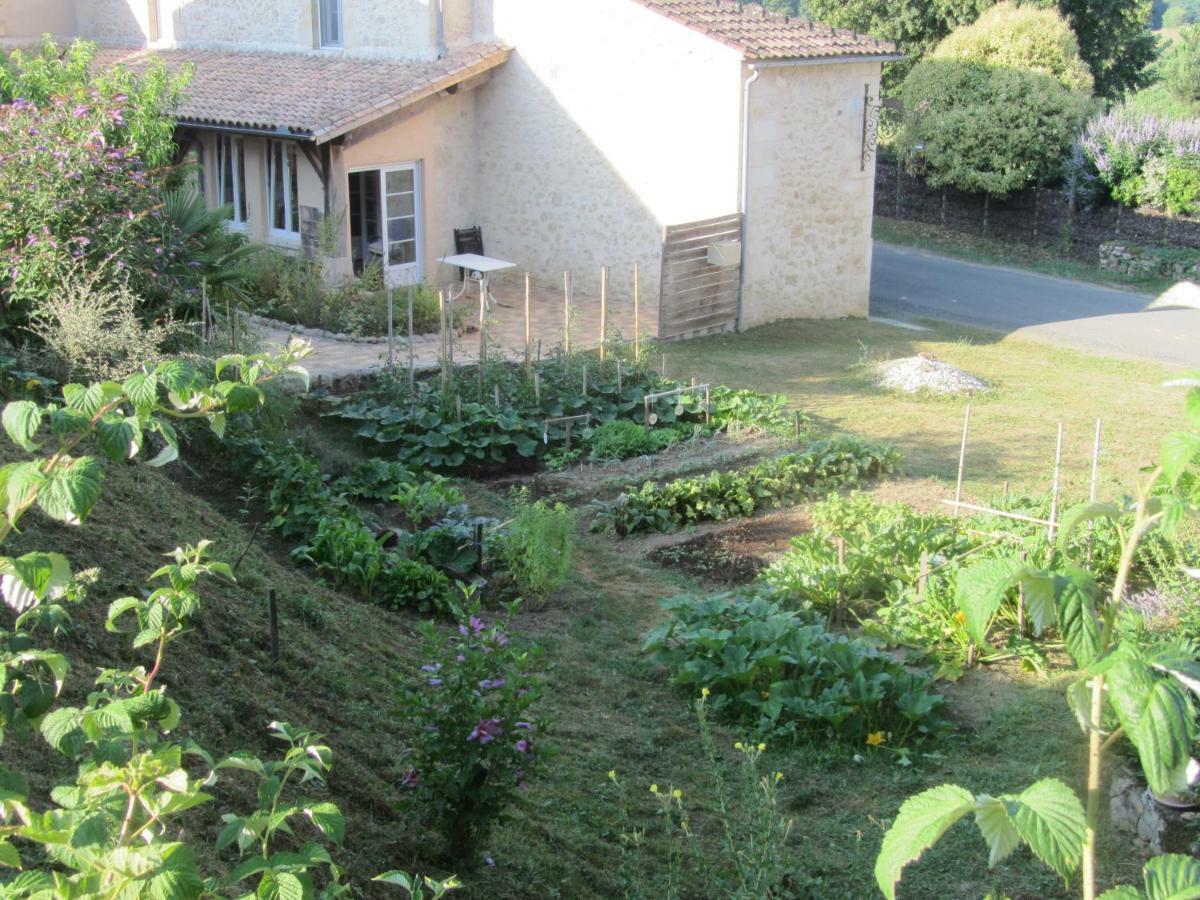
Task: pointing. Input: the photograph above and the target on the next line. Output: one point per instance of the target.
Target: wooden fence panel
(697, 297)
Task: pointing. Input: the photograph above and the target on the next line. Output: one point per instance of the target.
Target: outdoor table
(478, 267)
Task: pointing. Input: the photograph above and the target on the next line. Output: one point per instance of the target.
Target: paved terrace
(334, 360)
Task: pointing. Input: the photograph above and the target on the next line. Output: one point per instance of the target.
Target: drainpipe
(440, 6)
(744, 185)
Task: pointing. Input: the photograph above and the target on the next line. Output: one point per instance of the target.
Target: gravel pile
(915, 374)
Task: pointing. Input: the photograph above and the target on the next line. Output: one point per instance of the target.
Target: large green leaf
(22, 484)
(120, 437)
(997, 828)
(1172, 876)
(21, 420)
(1050, 819)
(1123, 892)
(29, 579)
(1040, 599)
(1075, 594)
(980, 589)
(72, 490)
(142, 390)
(922, 820)
(1179, 449)
(1158, 718)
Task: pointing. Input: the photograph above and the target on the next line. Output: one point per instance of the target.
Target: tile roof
(761, 35)
(317, 96)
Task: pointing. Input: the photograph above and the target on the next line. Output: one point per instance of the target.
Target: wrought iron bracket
(870, 124)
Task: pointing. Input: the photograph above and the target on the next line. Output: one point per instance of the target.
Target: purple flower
(524, 726)
(524, 746)
(435, 682)
(410, 779)
(493, 684)
(485, 732)
(433, 668)
(81, 111)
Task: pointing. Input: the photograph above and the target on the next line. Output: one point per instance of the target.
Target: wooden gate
(698, 297)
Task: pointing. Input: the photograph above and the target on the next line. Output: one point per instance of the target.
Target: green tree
(914, 26)
(997, 105)
(1180, 66)
(1115, 40)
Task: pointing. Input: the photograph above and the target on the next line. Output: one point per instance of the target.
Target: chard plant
(1125, 691)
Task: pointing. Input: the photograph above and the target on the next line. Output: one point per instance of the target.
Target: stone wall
(808, 211)
(1132, 259)
(1038, 217)
(603, 127)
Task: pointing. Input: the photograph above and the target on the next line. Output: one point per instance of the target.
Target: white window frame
(330, 17)
(402, 274)
(291, 199)
(236, 157)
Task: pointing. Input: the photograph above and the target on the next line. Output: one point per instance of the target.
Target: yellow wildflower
(779, 776)
(960, 617)
(875, 738)
(704, 692)
(762, 748)
(677, 794)
(654, 788)
(738, 746)
(612, 774)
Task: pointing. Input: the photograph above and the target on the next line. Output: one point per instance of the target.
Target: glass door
(401, 195)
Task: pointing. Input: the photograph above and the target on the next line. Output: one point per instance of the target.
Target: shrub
(473, 741)
(537, 546)
(1020, 37)
(91, 329)
(1122, 143)
(74, 189)
(769, 667)
(1181, 195)
(987, 130)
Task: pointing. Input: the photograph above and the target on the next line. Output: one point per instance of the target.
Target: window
(231, 177)
(400, 211)
(283, 196)
(330, 12)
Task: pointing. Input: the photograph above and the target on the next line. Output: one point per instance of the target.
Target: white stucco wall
(33, 18)
(809, 206)
(118, 21)
(607, 123)
(440, 137)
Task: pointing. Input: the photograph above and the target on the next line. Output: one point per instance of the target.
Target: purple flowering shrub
(75, 189)
(1134, 154)
(474, 744)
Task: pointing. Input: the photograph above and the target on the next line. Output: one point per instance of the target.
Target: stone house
(724, 150)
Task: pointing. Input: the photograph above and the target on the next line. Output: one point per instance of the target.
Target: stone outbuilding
(723, 150)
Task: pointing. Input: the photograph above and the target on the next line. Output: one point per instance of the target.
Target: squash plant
(1124, 691)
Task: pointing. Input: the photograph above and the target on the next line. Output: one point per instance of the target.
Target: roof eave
(324, 135)
(775, 62)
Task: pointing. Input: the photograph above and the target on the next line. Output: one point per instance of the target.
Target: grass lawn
(826, 368)
(609, 707)
(974, 248)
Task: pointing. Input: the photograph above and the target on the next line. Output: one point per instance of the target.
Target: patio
(333, 360)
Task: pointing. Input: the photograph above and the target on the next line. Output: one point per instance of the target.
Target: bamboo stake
(637, 322)
(391, 362)
(442, 336)
(618, 379)
(496, 395)
(528, 332)
(603, 309)
(411, 372)
(1095, 486)
(482, 328)
(962, 458)
(537, 387)
(585, 379)
(450, 324)
(1054, 491)
(566, 312)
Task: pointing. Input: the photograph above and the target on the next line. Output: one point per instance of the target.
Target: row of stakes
(446, 314)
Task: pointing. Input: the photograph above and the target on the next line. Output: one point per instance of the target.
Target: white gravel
(915, 374)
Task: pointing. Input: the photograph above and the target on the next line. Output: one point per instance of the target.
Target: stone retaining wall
(1133, 259)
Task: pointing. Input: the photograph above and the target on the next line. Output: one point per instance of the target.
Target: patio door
(400, 200)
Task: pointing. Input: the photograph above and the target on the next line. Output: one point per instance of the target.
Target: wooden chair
(468, 240)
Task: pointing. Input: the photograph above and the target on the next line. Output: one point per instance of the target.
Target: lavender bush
(1134, 154)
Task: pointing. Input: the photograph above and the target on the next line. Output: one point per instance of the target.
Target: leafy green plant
(120, 827)
(623, 438)
(1125, 689)
(536, 547)
(723, 495)
(473, 740)
(768, 666)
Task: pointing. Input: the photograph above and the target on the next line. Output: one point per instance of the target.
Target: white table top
(476, 263)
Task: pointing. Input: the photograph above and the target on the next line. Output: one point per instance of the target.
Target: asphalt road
(909, 284)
